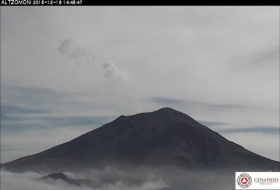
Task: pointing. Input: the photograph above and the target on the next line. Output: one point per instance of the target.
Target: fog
(29, 181)
(115, 179)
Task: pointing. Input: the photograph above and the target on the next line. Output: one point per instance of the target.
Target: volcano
(165, 137)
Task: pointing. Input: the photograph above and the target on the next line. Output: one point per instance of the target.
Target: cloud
(220, 112)
(112, 72)
(211, 123)
(6, 109)
(163, 101)
(42, 116)
(76, 120)
(40, 100)
(264, 144)
(262, 130)
(18, 122)
(131, 178)
(27, 181)
(28, 101)
(70, 49)
(166, 101)
(14, 143)
(42, 131)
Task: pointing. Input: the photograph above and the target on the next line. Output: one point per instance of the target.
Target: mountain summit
(165, 137)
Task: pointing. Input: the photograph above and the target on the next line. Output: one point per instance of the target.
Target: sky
(68, 70)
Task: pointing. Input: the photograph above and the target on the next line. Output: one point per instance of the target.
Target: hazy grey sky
(68, 70)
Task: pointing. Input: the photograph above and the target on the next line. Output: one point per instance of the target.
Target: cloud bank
(29, 181)
(132, 178)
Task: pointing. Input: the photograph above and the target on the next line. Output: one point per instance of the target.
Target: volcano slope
(165, 138)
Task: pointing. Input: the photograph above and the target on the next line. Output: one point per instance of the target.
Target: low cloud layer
(132, 178)
(29, 181)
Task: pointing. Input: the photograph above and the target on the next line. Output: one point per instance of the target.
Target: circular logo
(244, 180)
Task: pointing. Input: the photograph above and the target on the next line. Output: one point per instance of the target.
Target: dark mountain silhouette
(66, 179)
(161, 138)
(96, 184)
